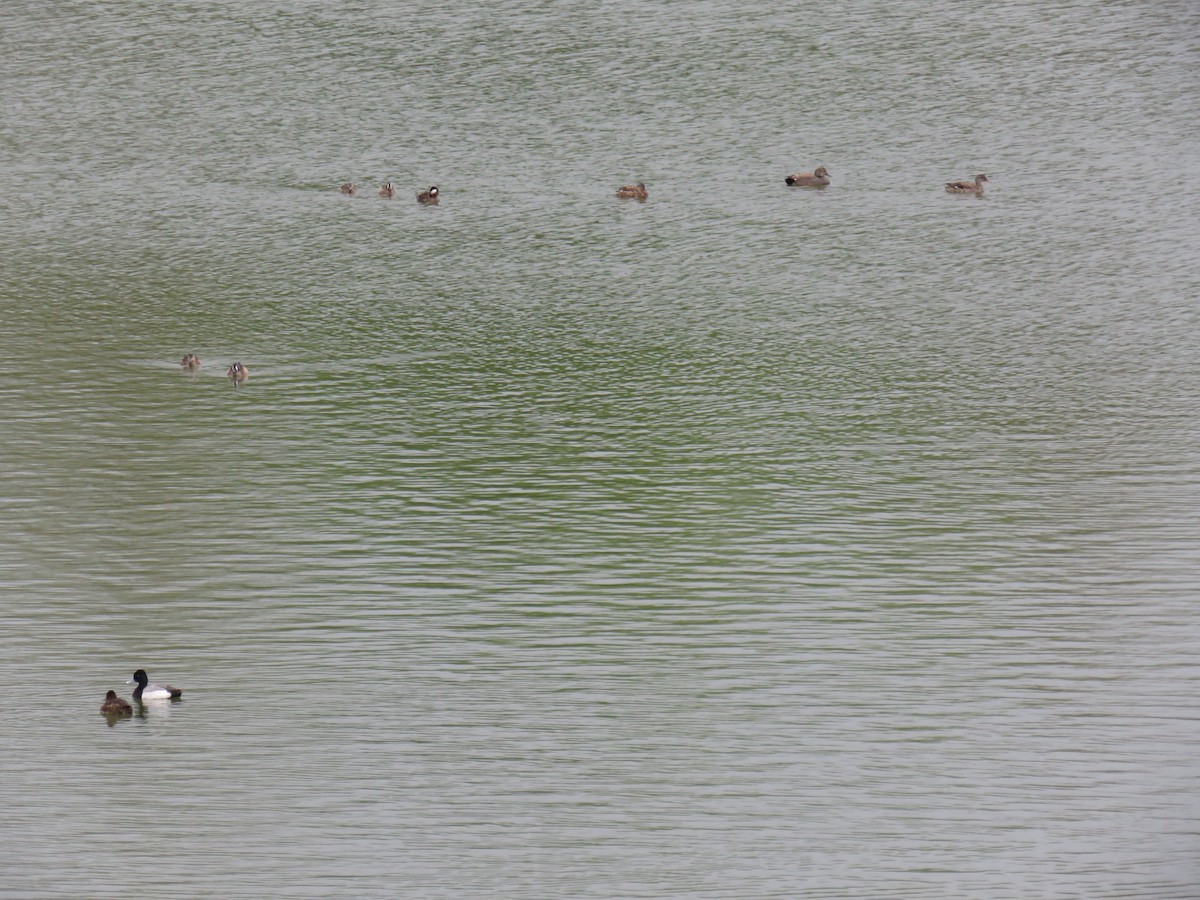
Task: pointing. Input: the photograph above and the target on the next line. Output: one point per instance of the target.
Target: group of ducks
(237, 373)
(819, 177)
(387, 190)
(116, 707)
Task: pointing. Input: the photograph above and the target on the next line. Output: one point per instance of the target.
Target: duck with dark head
(115, 706)
(147, 691)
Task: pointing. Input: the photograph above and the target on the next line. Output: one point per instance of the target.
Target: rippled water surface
(747, 542)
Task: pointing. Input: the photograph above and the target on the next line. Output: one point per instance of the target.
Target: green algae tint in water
(746, 542)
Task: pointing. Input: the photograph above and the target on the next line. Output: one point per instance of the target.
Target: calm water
(750, 542)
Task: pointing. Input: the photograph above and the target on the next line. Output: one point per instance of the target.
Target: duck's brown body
(115, 706)
(966, 187)
(817, 178)
(633, 191)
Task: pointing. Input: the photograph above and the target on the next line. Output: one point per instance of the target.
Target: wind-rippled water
(748, 542)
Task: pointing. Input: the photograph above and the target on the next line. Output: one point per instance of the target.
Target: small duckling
(967, 187)
(429, 197)
(387, 190)
(191, 362)
(817, 178)
(633, 191)
(350, 189)
(237, 373)
(115, 706)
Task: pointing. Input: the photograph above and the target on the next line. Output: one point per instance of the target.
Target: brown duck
(817, 178)
(966, 187)
(115, 706)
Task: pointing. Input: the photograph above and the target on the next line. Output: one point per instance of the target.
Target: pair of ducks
(237, 373)
(387, 190)
(116, 706)
(820, 178)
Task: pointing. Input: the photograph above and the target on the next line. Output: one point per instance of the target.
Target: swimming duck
(115, 706)
(238, 372)
(191, 362)
(145, 691)
(817, 178)
(387, 189)
(633, 191)
(349, 188)
(966, 187)
(429, 197)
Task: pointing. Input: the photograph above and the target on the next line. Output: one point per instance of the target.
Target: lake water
(748, 542)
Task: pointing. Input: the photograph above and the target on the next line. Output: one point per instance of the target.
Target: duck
(191, 362)
(349, 188)
(145, 691)
(967, 187)
(115, 706)
(817, 178)
(429, 197)
(238, 372)
(387, 189)
(633, 191)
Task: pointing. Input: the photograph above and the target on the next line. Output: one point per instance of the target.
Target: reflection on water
(745, 542)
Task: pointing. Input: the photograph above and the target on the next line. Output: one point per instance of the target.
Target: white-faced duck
(429, 197)
(147, 691)
(115, 706)
(237, 373)
(387, 190)
(633, 191)
(967, 187)
(817, 178)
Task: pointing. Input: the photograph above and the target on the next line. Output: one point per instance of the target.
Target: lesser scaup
(115, 706)
(146, 691)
